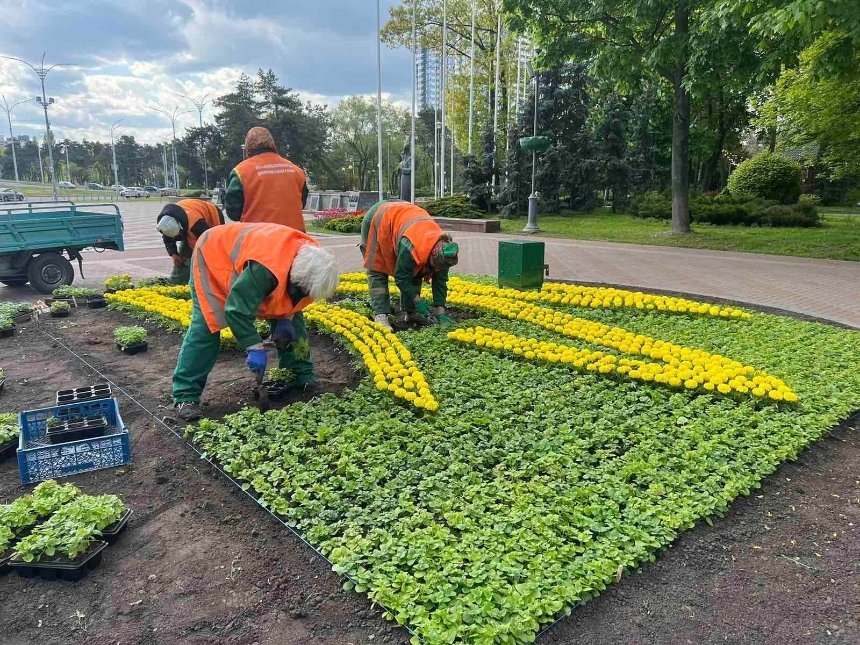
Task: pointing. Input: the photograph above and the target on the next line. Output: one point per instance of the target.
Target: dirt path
(202, 564)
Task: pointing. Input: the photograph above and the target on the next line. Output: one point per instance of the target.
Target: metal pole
(8, 109)
(442, 96)
(164, 163)
(531, 225)
(452, 163)
(519, 73)
(41, 166)
(68, 170)
(436, 150)
(175, 169)
(50, 138)
(472, 76)
(379, 96)
(113, 152)
(496, 92)
(414, 99)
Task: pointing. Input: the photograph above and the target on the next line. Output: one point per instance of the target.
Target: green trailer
(34, 238)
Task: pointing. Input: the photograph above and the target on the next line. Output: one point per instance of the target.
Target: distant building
(429, 79)
(23, 138)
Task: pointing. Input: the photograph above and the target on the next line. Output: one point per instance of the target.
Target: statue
(406, 172)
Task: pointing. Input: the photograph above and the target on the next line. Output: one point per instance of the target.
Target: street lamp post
(531, 225)
(68, 170)
(113, 154)
(8, 109)
(175, 114)
(200, 104)
(41, 71)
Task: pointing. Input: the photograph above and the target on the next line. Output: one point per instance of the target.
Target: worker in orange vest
(266, 187)
(240, 273)
(401, 240)
(180, 225)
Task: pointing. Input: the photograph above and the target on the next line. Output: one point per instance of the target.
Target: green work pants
(181, 275)
(200, 349)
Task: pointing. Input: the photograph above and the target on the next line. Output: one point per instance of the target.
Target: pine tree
(611, 138)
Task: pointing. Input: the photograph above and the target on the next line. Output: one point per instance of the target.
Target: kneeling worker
(400, 239)
(180, 225)
(242, 272)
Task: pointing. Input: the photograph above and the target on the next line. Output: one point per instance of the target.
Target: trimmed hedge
(767, 176)
(729, 209)
(457, 206)
(344, 224)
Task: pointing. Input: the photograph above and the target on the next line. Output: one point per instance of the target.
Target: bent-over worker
(266, 187)
(401, 240)
(180, 225)
(242, 272)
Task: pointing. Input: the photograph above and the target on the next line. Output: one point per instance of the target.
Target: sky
(127, 56)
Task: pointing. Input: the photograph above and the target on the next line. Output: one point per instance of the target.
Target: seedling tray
(4, 561)
(111, 533)
(96, 302)
(22, 318)
(39, 459)
(86, 393)
(8, 449)
(277, 390)
(60, 568)
(60, 314)
(7, 333)
(131, 350)
(66, 436)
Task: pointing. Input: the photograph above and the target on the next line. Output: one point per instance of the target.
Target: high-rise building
(428, 79)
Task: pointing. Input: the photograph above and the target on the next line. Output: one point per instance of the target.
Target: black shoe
(188, 410)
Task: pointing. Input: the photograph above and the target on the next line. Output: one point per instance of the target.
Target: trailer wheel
(15, 282)
(49, 271)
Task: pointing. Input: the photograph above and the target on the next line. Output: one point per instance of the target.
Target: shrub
(651, 205)
(457, 206)
(802, 215)
(345, 224)
(129, 336)
(768, 176)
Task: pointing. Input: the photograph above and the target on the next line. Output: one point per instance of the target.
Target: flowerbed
(537, 481)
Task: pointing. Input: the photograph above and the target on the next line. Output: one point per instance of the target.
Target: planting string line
(217, 467)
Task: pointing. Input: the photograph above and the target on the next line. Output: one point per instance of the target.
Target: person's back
(266, 187)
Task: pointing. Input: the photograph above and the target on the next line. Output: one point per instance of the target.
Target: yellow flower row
(603, 363)
(685, 363)
(154, 300)
(386, 358)
(599, 297)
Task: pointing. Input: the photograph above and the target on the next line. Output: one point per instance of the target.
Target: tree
(612, 143)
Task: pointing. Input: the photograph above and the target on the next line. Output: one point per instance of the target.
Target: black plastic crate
(59, 568)
(131, 350)
(86, 393)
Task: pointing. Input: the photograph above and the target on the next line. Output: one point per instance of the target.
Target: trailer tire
(49, 271)
(15, 282)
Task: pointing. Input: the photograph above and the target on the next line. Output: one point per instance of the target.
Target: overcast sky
(130, 54)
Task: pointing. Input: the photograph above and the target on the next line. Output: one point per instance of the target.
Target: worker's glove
(178, 260)
(382, 319)
(257, 361)
(422, 307)
(284, 333)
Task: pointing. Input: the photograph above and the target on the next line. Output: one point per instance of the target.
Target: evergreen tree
(513, 198)
(611, 138)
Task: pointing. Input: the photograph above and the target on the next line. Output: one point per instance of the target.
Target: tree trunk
(681, 129)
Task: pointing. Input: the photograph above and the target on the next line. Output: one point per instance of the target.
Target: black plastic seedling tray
(131, 350)
(61, 568)
(96, 302)
(75, 430)
(86, 393)
(8, 449)
(60, 314)
(4, 561)
(7, 333)
(111, 533)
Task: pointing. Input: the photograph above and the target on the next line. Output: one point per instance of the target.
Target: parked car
(151, 189)
(66, 184)
(11, 195)
(168, 192)
(133, 191)
(94, 186)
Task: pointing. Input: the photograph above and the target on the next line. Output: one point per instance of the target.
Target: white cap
(314, 270)
(169, 227)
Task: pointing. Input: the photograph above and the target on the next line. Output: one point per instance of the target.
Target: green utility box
(521, 264)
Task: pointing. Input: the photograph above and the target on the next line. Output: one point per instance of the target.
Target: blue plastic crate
(39, 460)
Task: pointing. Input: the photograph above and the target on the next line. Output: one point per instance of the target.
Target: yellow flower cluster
(387, 359)
(162, 301)
(683, 374)
(693, 368)
(557, 293)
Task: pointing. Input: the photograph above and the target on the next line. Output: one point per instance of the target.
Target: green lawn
(838, 238)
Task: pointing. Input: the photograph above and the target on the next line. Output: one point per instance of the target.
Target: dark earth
(201, 563)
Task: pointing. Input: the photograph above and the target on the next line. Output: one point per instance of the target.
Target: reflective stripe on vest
(272, 188)
(197, 209)
(223, 252)
(393, 221)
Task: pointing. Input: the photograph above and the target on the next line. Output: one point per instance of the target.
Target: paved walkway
(823, 288)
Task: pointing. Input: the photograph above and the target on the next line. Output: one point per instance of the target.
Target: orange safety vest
(272, 187)
(197, 209)
(223, 252)
(392, 221)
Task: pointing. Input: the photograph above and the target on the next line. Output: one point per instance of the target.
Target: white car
(133, 191)
(66, 184)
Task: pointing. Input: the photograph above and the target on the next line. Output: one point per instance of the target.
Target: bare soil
(201, 563)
